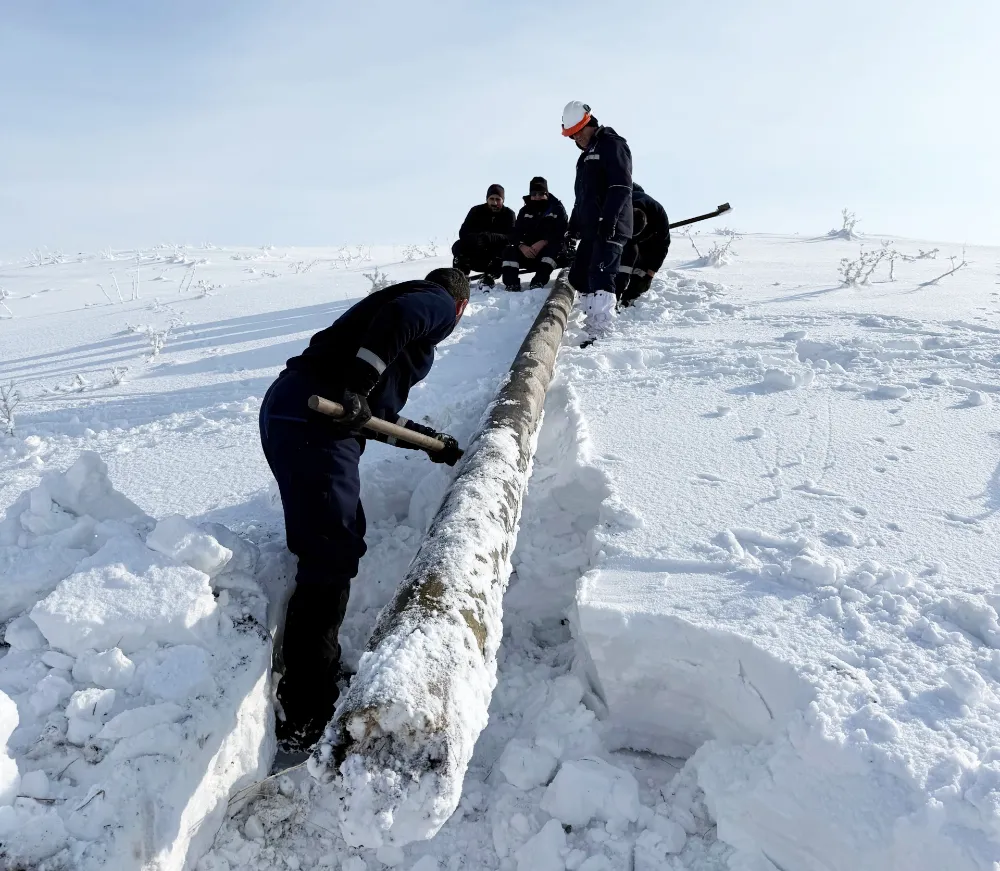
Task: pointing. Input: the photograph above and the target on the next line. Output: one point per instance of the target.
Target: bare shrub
(955, 266)
(378, 279)
(10, 398)
(846, 231)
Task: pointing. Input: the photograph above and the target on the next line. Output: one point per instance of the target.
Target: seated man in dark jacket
(539, 237)
(645, 252)
(484, 236)
(367, 360)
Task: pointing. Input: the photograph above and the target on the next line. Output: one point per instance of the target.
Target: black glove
(451, 453)
(637, 286)
(356, 410)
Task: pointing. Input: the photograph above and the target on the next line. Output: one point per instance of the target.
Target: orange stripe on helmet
(576, 128)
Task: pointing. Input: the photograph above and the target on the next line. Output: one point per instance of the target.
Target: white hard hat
(575, 117)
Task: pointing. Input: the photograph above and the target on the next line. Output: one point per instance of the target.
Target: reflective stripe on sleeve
(372, 360)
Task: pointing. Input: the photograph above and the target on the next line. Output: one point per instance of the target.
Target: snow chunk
(111, 669)
(87, 711)
(35, 784)
(126, 595)
(591, 788)
(51, 691)
(543, 852)
(182, 673)
(138, 720)
(23, 634)
(10, 782)
(179, 539)
(782, 379)
(889, 391)
(526, 765)
(85, 489)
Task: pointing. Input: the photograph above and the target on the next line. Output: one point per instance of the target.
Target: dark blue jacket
(482, 219)
(549, 224)
(654, 239)
(384, 343)
(603, 208)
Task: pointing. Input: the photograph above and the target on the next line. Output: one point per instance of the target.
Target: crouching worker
(539, 243)
(367, 360)
(484, 236)
(647, 249)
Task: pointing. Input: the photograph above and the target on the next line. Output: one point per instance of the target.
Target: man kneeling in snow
(367, 360)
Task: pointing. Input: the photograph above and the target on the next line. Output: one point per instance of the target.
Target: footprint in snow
(720, 411)
(963, 520)
(813, 489)
(708, 478)
(858, 510)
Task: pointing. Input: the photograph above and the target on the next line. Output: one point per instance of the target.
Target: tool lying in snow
(376, 424)
(725, 207)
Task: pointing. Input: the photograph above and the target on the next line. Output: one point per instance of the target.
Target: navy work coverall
(393, 332)
(602, 213)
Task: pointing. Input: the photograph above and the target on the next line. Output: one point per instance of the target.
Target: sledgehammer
(376, 424)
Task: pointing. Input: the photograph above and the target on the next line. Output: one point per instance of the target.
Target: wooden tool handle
(376, 424)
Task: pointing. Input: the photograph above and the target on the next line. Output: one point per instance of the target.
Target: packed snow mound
(135, 696)
(49, 529)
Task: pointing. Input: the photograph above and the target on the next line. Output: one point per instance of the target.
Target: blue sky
(308, 123)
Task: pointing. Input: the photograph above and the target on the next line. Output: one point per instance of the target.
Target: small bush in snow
(40, 258)
(846, 231)
(117, 375)
(718, 255)
(955, 266)
(10, 398)
(415, 252)
(860, 270)
(379, 280)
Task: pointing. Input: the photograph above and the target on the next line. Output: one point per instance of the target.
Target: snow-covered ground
(759, 534)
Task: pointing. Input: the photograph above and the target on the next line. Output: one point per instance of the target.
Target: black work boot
(488, 280)
(308, 689)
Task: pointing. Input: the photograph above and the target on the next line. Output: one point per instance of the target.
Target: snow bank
(796, 683)
(140, 691)
(49, 529)
(817, 630)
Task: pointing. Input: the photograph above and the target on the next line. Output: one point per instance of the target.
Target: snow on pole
(399, 745)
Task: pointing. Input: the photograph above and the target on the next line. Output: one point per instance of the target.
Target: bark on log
(396, 752)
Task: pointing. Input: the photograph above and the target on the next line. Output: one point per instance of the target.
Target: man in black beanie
(368, 361)
(539, 242)
(485, 234)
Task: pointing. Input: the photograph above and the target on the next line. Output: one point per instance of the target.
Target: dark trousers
(514, 261)
(596, 265)
(483, 254)
(632, 281)
(317, 473)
